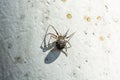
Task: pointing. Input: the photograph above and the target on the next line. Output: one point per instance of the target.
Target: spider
(61, 41)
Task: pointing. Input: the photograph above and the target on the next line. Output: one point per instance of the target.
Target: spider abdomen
(60, 45)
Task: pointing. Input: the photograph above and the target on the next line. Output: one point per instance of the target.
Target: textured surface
(95, 50)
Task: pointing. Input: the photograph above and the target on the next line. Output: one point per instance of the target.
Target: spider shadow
(52, 54)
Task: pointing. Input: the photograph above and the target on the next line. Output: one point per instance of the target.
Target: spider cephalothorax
(60, 40)
(60, 43)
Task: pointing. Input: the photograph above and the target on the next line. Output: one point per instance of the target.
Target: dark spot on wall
(18, 59)
(74, 73)
(32, 5)
(86, 61)
(25, 62)
(107, 51)
(93, 33)
(22, 16)
(105, 73)
(46, 17)
(26, 75)
(18, 37)
(28, 0)
(9, 45)
(106, 8)
(85, 32)
(79, 67)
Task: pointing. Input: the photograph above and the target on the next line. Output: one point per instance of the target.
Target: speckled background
(95, 50)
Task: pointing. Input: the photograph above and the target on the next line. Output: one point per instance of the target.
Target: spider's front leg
(70, 36)
(54, 29)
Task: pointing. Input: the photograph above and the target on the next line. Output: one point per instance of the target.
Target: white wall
(95, 50)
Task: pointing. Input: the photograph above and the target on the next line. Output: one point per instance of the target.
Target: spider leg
(65, 53)
(50, 44)
(51, 35)
(70, 36)
(69, 44)
(66, 33)
(54, 29)
(66, 48)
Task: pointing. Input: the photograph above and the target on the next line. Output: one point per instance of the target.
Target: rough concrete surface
(95, 50)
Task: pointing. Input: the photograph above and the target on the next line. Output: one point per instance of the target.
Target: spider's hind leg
(69, 45)
(50, 39)
(65, 53)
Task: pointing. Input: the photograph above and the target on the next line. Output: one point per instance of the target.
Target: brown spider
(60, 40)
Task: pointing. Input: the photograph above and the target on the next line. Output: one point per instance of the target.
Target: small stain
(106, 8)
(98, 17)
(107, 51)
(86, 61)
(28, 0)
(26, 75)
(85, 32)
(65, 64)
(79, 67)
(46, 17)
(101, 38)
(63, 0)
(22, 16)
(69, 16)
(93, 33)
(18, 60)
(18, 37)
(32, 5)
(9, 45)
(109, 35)
(74, 73)
(87, 18)
(105, 73)
(25, 62)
